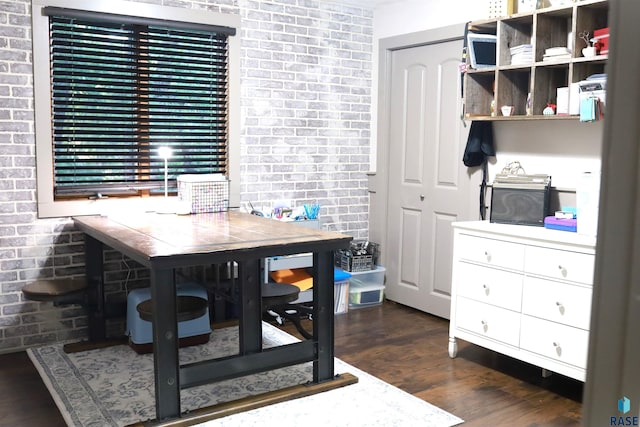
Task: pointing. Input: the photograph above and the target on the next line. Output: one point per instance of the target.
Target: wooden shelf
(517, 118)
(507, 84)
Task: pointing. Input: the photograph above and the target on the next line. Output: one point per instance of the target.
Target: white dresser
(523, 291)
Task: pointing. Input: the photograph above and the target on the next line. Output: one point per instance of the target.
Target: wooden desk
(164, 242)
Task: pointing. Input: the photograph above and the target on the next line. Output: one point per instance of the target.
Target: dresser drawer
(490, 252)
(558, 342)
(558, 264)
(558, 302)
(488, 321)
(484, 284)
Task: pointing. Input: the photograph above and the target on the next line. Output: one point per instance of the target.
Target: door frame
(379, 181)
(614, 347)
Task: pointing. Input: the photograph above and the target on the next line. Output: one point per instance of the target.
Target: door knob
(422, 197)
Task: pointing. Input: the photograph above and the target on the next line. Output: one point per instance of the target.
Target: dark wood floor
(399, 345)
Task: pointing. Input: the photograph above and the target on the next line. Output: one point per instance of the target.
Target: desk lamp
(165, 152)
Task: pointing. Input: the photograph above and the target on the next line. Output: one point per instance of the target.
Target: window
(119, 89)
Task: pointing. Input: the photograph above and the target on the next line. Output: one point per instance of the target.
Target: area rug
(114, 387)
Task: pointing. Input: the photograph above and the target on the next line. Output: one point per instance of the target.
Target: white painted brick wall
(306, 108)
(306, 126)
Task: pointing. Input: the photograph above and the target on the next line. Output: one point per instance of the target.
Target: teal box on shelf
(190, 332)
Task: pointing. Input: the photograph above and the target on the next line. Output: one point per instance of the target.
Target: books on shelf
(556, 53)
(341, 297)
(522, 54)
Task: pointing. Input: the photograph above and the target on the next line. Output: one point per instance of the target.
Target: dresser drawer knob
(487, 254)
(563, 271)
(560, 307)
(558, 348)
(486, 289)
(485, 325)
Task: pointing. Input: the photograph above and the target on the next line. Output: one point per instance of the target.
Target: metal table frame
(163, 257)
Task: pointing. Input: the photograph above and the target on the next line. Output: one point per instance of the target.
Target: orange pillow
(297, 276)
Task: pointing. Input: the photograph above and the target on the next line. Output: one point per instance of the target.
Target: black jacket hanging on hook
(479, 147)
(479, 144)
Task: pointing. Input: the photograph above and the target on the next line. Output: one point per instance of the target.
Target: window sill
(109, 206)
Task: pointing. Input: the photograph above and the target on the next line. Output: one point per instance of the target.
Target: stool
(274, 294)
(187, 308)
(192, 312)
(58, 291)
(277, 298)
(71, 291)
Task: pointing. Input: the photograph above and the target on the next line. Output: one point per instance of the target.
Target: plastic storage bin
(366, 288)
(190, 332)
(364, 295)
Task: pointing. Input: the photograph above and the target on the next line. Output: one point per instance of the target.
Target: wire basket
(361, 256)
(350, 262)
(204, 193)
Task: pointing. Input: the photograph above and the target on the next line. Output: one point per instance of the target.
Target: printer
(520, 199)
(594, 85)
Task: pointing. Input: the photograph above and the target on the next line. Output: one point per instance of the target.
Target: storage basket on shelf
(204, 193)
(361, 256)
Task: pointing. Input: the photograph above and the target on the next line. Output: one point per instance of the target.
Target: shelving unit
(507, 84)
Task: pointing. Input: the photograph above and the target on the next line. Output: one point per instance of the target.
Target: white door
(428, 184)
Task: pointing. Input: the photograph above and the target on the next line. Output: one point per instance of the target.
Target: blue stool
(193, 331)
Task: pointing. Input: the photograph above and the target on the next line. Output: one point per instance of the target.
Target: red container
(602, 40)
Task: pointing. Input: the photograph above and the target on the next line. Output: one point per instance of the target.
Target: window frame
(48, 207)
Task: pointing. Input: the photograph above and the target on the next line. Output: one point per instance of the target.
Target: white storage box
(204, 193)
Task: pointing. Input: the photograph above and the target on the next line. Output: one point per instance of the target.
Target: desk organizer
(204, 193)
(190, 332)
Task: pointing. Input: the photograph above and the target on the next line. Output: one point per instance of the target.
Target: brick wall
(306, 117)
(306, 96)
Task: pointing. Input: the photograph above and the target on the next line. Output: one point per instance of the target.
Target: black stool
(276, 298)
(187, 308)
(275, 294)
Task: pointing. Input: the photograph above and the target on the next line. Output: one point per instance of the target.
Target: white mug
(507, 110)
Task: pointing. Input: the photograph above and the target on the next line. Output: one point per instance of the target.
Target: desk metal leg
(323, 289)
(165, 343)
(95, 277)
(250, 306)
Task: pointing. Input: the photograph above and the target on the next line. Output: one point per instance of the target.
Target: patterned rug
(114, 387)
